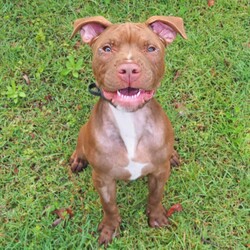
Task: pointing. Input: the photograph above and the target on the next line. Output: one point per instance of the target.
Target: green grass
(207, 105)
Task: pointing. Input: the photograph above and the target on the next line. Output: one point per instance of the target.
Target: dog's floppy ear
(90, 27)
(167, 27)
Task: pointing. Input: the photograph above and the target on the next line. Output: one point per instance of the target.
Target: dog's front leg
(109, 226)
(78, 159)
(157, 216)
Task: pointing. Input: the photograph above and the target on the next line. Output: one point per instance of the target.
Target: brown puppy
(128, 134)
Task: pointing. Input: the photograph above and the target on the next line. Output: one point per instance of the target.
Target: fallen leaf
(201, 127)
(56, 222)
(26, 78)
(70, 212)
(32, 135)
(175, 208)
(48, 98)
(38, 104)
(210, 3)
(77, 45)
(16, 170)
(177, 75)
(78, 107)
(63, 212)
(60, 213)
(181, 108)
(178, 105)
(213, 72)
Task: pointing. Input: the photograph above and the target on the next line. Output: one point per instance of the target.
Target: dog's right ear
(90, 27)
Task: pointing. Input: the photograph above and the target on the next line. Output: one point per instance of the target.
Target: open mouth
(129, 92)
(129, 96)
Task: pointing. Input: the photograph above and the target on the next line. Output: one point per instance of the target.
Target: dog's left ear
(167, 27)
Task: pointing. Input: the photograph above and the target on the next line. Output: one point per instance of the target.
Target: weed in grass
(72, 67)
(14, 92)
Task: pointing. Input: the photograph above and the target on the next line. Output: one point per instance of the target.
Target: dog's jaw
(129, 99)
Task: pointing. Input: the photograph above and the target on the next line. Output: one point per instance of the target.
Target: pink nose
(129, 72)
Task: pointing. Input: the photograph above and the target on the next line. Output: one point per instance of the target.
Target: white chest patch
(126, 126)
(135, 169)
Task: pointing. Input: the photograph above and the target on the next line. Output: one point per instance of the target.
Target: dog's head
(128, 59)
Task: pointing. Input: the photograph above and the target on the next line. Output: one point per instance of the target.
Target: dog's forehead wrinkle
(130, 32)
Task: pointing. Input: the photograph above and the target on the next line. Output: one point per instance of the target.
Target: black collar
(94, 90)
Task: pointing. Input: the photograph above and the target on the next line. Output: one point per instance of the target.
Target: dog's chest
(130, 130)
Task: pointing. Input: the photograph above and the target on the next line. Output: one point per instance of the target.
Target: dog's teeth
(127, 96)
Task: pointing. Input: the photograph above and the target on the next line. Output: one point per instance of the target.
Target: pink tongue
(129, 91)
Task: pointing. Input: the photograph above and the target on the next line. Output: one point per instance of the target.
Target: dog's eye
(107, 48)
(151, 48)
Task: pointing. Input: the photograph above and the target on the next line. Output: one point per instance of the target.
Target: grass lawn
(44, 101)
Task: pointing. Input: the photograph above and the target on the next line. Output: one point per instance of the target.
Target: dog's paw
(157, 217)
(175, 159)
(108, 229)
(76, 163)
